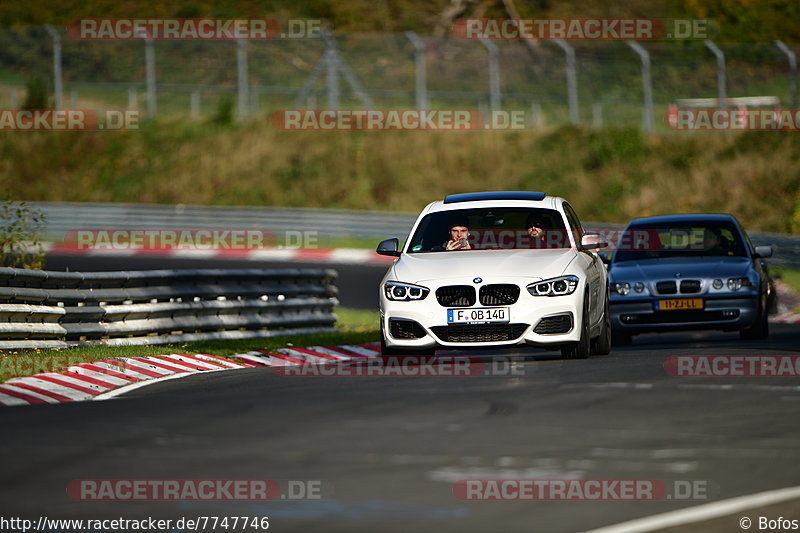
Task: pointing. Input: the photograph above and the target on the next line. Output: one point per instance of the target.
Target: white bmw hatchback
(491, 269)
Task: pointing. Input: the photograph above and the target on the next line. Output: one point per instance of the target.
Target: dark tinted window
(685, 239)
(492, 229)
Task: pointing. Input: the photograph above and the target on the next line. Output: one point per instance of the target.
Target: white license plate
(477, 315)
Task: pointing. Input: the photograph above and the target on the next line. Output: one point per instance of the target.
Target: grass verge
(356, 326)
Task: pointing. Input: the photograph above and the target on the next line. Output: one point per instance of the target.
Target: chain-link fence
(554, 82)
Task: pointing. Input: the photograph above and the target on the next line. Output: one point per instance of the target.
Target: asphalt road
(388, 450)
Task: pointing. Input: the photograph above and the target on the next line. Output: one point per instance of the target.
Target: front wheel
(602, 344)
(759, 330)
(580, 349)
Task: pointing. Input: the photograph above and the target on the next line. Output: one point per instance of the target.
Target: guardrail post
(494, 77)
(647, 86)
(792, 57)
(721, 86)
(420, 85)
(57, 81)
(572, 80)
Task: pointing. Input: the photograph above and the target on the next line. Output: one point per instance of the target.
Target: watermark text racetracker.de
(27, 365)
(193, 28)
(400, 119)
(745, 366)
(188, 239)
(732, 119)
(585, 29)
(582, 489)
(164, 490)
(403, 366)
(67, 120)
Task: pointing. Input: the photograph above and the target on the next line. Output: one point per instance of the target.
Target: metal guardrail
(43, 309)
(63, 217)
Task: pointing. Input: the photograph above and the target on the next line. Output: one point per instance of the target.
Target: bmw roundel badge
(477, 280)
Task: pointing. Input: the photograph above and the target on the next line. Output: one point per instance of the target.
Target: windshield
(490, 229)
(693, 239)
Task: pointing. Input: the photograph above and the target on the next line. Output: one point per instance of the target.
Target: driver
(712, 241)
(458, 233)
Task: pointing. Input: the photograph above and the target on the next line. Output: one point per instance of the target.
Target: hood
(688, 267)
(539, 264)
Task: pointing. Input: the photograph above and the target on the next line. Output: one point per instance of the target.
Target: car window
(491, 229)
(574, 222)
(644, 241)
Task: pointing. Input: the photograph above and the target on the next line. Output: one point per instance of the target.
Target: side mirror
(764, 251)
(389, 247)
(592, 241)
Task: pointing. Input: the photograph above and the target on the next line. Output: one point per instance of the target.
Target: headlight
(621, 288)
(638, 286)
(554, 287)
(717, 284)
(735, 284)
(398, 291)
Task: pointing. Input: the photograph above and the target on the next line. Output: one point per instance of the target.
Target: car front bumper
(562, 314)
(633, 315)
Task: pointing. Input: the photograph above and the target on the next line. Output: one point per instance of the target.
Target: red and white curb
(785, 318)
(108, 378)
(352, 256)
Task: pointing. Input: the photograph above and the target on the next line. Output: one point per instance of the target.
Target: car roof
(683, 218)
(478, 200)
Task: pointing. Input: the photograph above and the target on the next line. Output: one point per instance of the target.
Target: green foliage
(21, 229)
(37, 97)
(614, 144)
(224, 114)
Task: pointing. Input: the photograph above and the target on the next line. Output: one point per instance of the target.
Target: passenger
(536, 230)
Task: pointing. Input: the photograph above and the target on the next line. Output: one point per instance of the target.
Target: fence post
(57, 81)
(332, 77)
(572, 80)
(194, 104)
(150, 67)
(790, 55)
(597, 115)
(537, 120)
(494, 77)
(647, 86)
(721, 88)
(133, 99)
(241, 76)
(420, 86)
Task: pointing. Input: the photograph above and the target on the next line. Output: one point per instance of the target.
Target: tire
(759, 330)
(580, 349)
(602, 344)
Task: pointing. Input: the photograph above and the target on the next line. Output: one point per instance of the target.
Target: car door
(592, 265)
